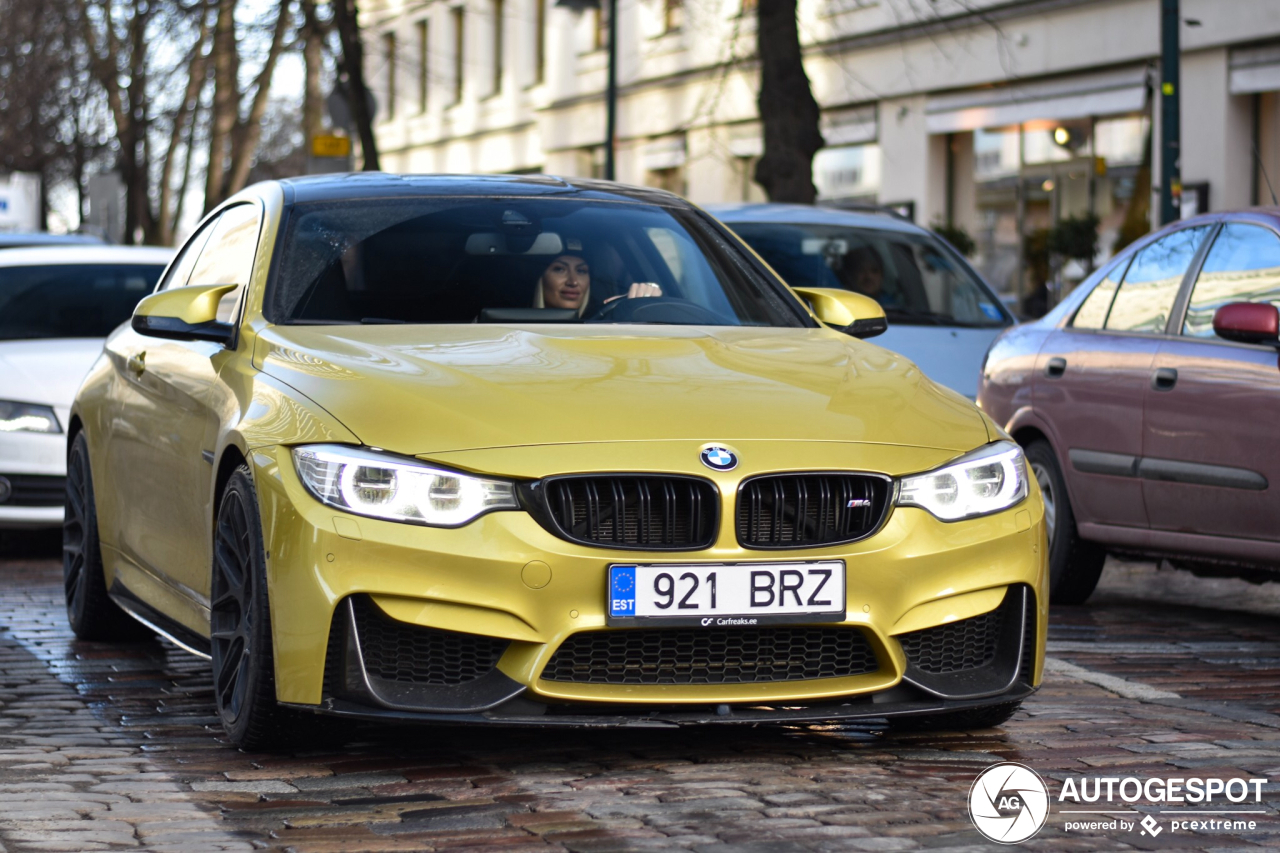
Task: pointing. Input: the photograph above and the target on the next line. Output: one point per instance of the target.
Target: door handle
(137, 363)
(1055, 367)
(1164, 379)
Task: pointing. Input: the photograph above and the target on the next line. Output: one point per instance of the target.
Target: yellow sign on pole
(330, 146)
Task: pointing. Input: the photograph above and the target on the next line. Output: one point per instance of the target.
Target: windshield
(71, 300)
(504, 260)
(915, 279)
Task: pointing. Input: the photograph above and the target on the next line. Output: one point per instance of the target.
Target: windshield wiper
(382, 321)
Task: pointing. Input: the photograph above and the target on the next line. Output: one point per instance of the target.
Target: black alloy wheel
(91, 612)
(240, 626)
(1075, 566)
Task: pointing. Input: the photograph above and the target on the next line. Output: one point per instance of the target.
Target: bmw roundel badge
(719, 458)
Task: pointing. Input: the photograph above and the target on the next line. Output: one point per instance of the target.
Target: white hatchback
(941, 314)
(57, 305)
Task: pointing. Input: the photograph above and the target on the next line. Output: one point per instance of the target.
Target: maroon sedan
(1149, 402)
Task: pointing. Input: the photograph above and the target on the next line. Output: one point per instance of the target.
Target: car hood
(422, 390)
(47, 371)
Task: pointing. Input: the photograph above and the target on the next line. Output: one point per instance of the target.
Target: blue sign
(622, 590)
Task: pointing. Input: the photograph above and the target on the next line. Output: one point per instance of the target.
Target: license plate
(725, 595)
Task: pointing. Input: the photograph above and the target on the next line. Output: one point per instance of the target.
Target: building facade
(998, 116)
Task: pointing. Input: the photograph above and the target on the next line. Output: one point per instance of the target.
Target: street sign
(330, 146)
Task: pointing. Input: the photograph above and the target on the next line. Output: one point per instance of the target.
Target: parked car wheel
(1074, 565)
(92, 613)
(243, 664)
(971, 718)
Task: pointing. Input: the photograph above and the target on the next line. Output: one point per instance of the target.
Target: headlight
(24, 417)
(379, 485)
(987, 480)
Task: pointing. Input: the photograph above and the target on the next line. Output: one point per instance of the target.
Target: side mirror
(184, 314)
(1248, 323)
(851, 313)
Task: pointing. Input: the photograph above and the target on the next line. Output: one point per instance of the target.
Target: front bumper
(505, 579)
(34, 466)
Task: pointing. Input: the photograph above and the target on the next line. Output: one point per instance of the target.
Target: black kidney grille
(715, 656)
(397, 651)
(34, 490)
(810, 510)
(660, 513)
(958, 646)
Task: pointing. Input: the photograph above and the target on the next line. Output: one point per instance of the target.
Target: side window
(1093, 313)
(228, 256)
(180, 272)
(1146, 295)
(1242, 266)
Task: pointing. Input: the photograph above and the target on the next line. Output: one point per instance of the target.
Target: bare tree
(788, 111)
(40, 83)
(236, 130)
(346, 21)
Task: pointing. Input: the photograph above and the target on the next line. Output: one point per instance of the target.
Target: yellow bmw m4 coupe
(536, 451)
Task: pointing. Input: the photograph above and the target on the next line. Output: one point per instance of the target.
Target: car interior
(483, 263)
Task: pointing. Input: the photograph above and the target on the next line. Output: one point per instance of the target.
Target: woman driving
(566, 283)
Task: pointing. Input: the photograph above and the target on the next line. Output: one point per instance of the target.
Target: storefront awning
(1255, 69)
(1115, 92)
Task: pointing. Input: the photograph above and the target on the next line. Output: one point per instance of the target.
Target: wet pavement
(117, 747)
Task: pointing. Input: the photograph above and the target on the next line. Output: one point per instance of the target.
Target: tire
(91, 612)
(243, 663)
(970, 718)
(1074, 564)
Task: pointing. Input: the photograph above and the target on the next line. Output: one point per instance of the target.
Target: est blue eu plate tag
(622, 591)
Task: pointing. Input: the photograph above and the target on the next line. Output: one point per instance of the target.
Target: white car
(57, 305)
(941, 314)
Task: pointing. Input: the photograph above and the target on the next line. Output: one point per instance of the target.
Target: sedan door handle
(1164, 379)
(1055, 367)
(137, 363)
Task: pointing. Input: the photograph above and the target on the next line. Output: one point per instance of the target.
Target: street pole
(1170, 126)
(611, 94)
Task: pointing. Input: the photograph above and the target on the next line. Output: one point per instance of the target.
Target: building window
(672, 15)
(389, 50)
(540, 40)
(459, 21)
(600, 37)
(424, 76)
(847, 173)
(497, 44)
(590, 162)
(672, 180)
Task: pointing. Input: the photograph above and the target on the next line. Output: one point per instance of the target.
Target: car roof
(807, 214)
(40, 238)
(369, 185)
(63, 255)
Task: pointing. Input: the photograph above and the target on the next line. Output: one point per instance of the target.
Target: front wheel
(243, 665)
(1074, 564)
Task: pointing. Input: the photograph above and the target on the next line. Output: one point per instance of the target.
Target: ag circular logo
(1008, 802)
(719, 458)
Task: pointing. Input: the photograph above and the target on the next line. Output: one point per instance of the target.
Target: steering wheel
(656, 309)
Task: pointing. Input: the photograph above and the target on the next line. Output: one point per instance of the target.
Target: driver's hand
(638, 290)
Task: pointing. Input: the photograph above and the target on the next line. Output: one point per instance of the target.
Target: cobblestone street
(117, 747)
